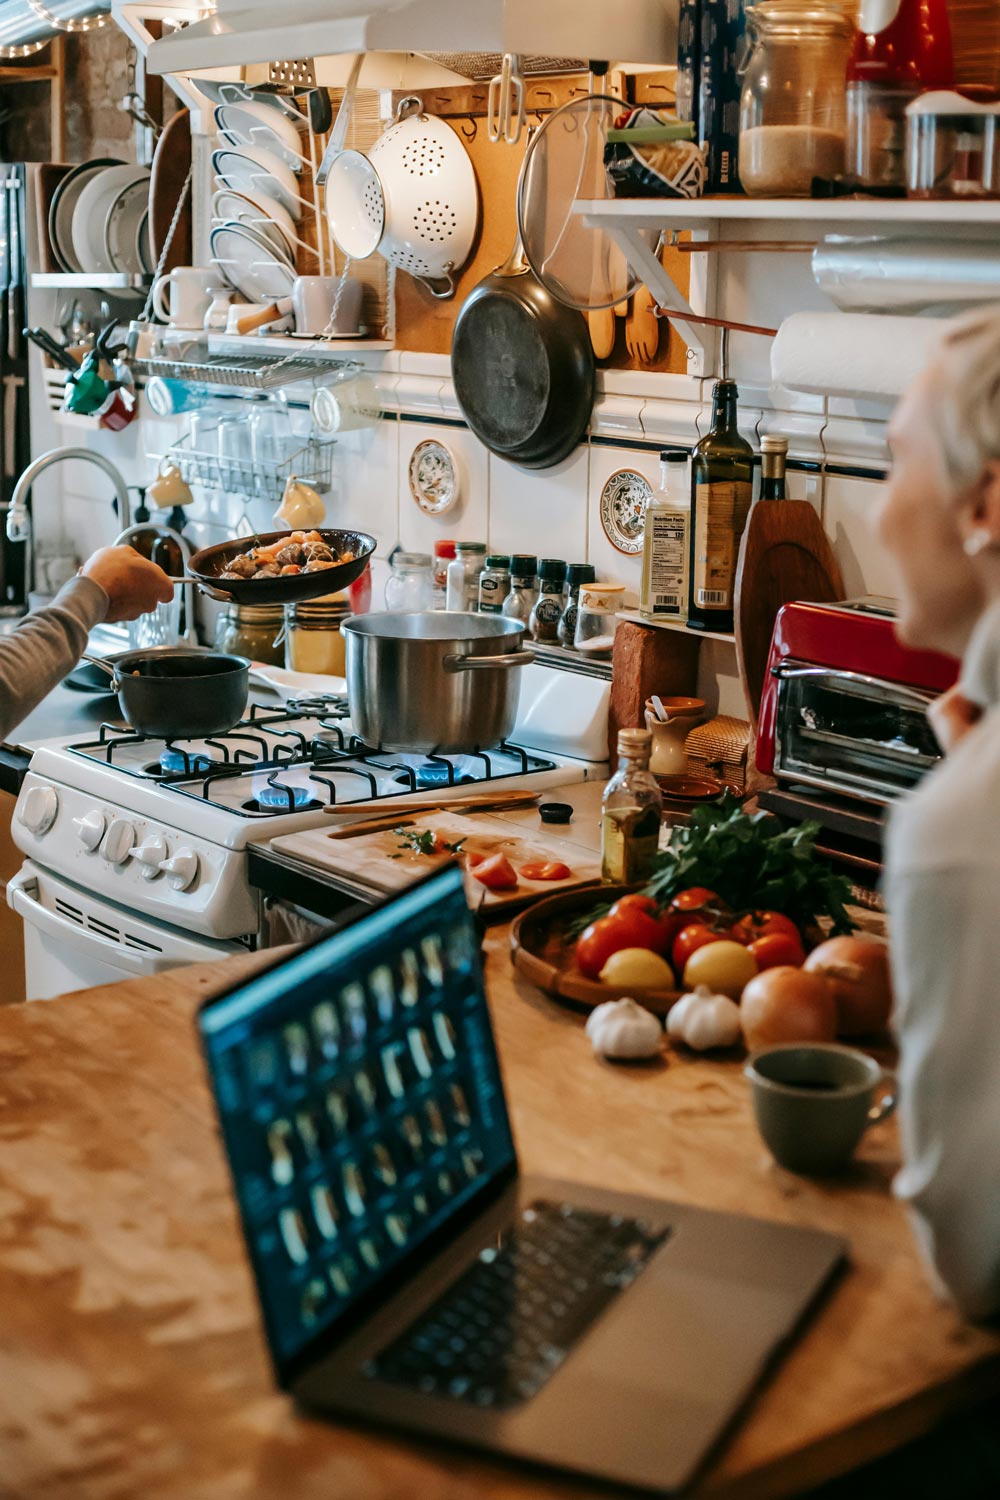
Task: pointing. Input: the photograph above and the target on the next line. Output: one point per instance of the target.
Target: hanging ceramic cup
(169, 488)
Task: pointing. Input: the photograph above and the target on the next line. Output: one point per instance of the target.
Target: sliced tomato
(777, 950)
(758, 924)
(690, 938)
(496, 873)
(549, 869)
(473, 860)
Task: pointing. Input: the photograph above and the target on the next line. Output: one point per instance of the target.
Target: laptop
(408, 1273)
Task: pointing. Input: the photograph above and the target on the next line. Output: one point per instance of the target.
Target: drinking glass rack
(253, 478)
(248, 372)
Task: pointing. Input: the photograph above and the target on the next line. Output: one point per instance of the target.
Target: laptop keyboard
(505, 1326)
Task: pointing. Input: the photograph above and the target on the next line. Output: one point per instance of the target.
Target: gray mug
(814, 1101)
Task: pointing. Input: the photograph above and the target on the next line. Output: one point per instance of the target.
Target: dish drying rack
(246, 372)
(254, 479)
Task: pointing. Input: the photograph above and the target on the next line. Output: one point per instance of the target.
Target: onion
(788, 1005)
(858, 972)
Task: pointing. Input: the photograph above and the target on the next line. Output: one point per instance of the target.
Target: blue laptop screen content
(361, 1104)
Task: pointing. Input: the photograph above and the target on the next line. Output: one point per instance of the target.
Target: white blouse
(942, 888)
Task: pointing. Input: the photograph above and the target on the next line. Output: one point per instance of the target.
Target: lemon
(724, 967)
(639, 967)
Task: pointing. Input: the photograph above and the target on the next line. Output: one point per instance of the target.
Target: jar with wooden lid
(253, 630)
(313, 642)
(793, 108)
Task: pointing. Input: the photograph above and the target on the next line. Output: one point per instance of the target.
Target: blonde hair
(964, 407)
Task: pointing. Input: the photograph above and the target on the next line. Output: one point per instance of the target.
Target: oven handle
(28, 906)
(919, 699)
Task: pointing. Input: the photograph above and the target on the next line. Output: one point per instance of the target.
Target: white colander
(414, 198)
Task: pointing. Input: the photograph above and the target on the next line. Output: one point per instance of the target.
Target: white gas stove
(136, 848)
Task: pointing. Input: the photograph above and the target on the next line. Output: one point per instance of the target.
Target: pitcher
(669, 757)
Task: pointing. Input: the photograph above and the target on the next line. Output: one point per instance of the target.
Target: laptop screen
(361, 1105)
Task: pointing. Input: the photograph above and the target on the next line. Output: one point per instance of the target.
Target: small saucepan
(175, 693)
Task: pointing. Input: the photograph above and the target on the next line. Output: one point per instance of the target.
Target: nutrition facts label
(668, 563)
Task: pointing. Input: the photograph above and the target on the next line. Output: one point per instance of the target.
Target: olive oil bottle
(631, 811)
(721, 491)
(773, 454)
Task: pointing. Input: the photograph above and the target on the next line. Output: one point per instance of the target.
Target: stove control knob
(181, 869)
(119, 841)
(150, 854)
(38, 810)
(90, 828)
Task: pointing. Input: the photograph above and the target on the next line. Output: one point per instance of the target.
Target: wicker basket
(721, 747)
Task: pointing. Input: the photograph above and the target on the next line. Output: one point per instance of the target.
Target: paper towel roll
(906, 276)
(852, 354)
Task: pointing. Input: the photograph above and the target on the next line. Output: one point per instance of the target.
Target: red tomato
(758, 924)
(694, 899)
(497, 873)
(663, 926)
(690, 938)
(778, 950)
(595, 946)
(550, 869)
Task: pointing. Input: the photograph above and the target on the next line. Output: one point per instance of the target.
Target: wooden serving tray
(542, 953)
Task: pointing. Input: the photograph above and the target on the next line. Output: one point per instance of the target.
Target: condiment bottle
(577, 574)
(444, 552)
(631, 810)
(721, 491)
(901, 47)
(665, 541)
(523, 587)
(544, 621)
(463, 576)
(773, 453)
(494, 584)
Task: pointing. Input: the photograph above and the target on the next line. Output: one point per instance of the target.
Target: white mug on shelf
(182, 297)
(313, 298)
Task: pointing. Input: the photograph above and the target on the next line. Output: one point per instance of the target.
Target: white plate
(253, 171)
(250, 263)
(92, 210)
(296, 684)
(63, 206)
(259, 125)
(121, 228)
(260, 212)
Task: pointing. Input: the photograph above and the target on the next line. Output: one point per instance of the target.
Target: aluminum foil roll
(880, 275)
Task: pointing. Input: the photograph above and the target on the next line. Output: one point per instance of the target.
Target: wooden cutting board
(784, 555)
(171, 164)
(369, 859)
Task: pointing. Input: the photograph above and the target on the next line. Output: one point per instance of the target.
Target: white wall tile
(849, 518)
(856, 440)
(803, 430)
(540, 510)
(610, 563)
(617, 416)
(366, 482)
(674, 424)
(468, 520)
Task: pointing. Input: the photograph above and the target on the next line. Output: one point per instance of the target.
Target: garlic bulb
(623, 1029)
(301, 506)
(703, 1020)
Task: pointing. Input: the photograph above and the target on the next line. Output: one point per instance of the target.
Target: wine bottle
(773, 453)
(721, 490)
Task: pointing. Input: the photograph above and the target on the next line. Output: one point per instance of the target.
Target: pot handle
(455, 662)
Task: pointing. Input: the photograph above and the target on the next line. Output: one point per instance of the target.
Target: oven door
(73, 940)
(849, 733)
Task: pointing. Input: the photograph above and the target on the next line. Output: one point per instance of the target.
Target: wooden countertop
(131, 1358)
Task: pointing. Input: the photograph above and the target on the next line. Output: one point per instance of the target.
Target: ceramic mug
(814, 1101)
(169, 488)
(183, 296)
(313, 298)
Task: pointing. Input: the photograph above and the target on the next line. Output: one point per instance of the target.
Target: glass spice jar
(444, 552)
(410, 587)
(313, 642)
(463, 576)
(793, 107)
(253, 630)
(596, 622)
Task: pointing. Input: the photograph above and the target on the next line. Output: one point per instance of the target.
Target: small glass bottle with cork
(631, 811)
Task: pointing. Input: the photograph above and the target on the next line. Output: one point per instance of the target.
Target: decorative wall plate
(433, 477)
(623, 505)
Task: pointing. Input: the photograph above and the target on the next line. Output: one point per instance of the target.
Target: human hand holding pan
(212, 567)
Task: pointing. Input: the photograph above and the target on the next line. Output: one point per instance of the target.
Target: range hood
(266, 31)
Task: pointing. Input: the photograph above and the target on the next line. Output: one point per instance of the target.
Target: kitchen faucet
(18, 516)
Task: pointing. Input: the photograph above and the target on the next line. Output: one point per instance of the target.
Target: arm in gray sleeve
(45, 646)
(946, 957)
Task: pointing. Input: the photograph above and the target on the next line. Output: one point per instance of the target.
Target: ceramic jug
(669, 757)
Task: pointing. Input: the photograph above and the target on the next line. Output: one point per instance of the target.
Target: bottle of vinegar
(631, 811)
(721, 491)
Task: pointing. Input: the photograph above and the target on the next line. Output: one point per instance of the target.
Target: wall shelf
(635, 618)
(689, 213)
(98, 281)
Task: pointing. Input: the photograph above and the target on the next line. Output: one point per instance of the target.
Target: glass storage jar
(253, 630)
(463, 576)
(410, 586)
(793, 118)
(313, 642)
(596, 620)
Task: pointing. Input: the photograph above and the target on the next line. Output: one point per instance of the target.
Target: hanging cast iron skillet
(523, 367)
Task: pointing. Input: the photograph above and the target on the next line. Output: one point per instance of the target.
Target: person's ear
(979, 519)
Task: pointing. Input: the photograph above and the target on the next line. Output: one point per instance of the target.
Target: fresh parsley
(425, 841)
